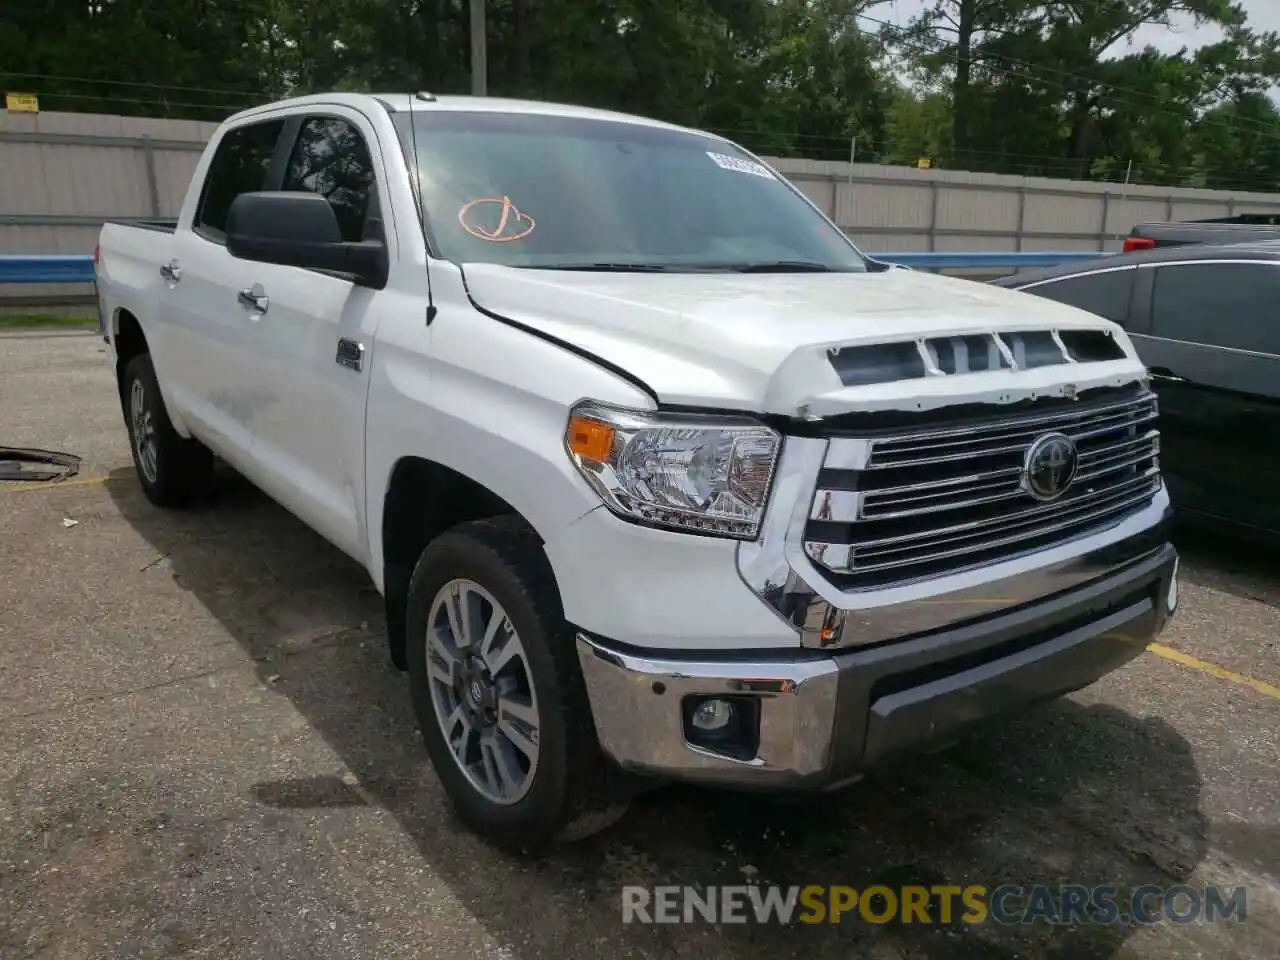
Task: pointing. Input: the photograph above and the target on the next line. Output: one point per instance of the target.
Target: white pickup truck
(661, 478)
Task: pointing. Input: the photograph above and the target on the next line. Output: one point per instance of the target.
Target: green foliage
(1015, 86)
(1062, 87)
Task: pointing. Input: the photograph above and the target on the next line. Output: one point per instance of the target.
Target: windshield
(534, 190)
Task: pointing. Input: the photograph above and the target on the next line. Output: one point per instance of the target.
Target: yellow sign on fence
(924, 163)
(22, 103)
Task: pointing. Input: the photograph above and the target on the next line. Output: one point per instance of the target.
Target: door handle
(1165, 375)
(171, 271)
(350, 354)
(254, 298)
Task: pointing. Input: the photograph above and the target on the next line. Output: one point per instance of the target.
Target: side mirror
(298, 229)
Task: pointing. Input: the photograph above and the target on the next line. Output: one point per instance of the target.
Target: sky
(1263, 15)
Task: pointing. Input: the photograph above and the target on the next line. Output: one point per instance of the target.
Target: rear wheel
(498, 693)
(173, 470)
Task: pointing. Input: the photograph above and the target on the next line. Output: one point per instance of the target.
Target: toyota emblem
(1050, 466)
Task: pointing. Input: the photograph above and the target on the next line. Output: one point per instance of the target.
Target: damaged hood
(765, 342)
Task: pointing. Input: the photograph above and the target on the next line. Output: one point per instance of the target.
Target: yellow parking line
(1177, 656)
(54, 484)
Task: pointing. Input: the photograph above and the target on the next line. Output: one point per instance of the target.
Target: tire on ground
(183, 469)
(573, 793)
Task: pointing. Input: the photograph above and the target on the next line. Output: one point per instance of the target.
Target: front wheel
(498, 692)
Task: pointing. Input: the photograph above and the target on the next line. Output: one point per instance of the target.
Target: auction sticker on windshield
(742, 166)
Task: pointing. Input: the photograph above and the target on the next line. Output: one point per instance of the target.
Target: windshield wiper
(763, 266)
(781, 266)
(604, 267)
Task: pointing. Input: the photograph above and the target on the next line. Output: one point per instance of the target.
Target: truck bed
(1244, 229)
(127, 268)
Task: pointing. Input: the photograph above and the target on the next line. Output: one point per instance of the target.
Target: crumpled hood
(762, 342)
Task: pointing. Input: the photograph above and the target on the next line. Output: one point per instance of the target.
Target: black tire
(573, 793)
(182, 472)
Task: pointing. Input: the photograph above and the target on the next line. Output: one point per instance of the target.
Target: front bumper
(820, 719)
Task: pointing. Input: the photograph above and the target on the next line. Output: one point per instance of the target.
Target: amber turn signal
(589, 439)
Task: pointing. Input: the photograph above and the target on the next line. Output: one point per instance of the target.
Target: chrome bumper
(822, 718)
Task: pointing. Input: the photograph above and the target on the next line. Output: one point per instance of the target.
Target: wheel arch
(423, 498)
(128, 339)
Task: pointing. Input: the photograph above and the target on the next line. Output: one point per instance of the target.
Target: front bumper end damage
(814, 719)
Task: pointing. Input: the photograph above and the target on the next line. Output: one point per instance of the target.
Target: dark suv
(1206, 322)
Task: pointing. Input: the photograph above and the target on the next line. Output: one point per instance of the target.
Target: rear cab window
(1107, 294)
(241, 164)
(331, 158)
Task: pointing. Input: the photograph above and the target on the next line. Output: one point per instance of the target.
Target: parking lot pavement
(204, 752)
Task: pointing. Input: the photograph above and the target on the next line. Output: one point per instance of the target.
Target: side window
(332, 159)
(240, 165)
(1105, 294)
(1219, 304)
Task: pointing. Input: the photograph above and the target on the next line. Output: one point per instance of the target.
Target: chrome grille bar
(963, 449)
(973, 528)
(948, 497)
(841, 557)
(973, 489)
(1039, 422)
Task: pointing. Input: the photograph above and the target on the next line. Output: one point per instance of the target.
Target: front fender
(490, 402)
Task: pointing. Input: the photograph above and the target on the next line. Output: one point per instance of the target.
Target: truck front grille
(917, 502)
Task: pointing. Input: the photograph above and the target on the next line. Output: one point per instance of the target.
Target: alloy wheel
(145, 444)
(482, 691)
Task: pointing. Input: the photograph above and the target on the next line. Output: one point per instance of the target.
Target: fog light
(726, 726)
(712, 716)
(1171, 601)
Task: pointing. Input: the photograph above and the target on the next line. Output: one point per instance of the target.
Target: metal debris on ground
(35, 465)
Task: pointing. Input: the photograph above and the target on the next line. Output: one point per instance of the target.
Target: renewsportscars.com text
(1006, 904)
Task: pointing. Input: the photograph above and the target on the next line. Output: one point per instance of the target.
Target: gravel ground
(204, 752)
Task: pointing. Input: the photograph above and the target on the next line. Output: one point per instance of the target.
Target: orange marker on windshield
(519, 225)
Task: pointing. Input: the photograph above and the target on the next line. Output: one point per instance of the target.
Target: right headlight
(701, 474)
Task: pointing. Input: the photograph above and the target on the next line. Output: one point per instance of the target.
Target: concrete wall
(62, 174)
(904, 209)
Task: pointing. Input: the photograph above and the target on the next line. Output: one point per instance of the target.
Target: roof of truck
(422, 102)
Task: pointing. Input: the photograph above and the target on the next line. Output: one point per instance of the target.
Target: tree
(1046, 87)
(165, 57)
(1038, 86)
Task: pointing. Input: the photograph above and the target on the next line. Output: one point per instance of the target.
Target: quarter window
(240, 165)
(1103, 294)
(332, 159)
(1219, 304)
